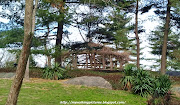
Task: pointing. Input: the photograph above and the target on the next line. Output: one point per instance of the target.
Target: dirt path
(7, 75)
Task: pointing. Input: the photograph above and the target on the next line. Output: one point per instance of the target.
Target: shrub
(128, 69)
(142, 83)
(55, 72)
(128, 78)
(161, 86)
(161, 90)
(127, 82)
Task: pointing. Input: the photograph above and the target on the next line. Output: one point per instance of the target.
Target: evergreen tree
(166, 8)
(156, 42)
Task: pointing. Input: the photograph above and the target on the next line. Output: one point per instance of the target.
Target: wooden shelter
(98, 57)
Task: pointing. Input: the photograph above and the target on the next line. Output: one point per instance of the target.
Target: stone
(90, 81)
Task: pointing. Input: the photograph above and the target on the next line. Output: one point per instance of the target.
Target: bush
(161, 86)
(142, 83)
(127, 82)
(161, 90)
(55, 72)
(128, 69)
(128, 78)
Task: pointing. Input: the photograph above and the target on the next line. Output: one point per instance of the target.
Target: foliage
(16, 12)
(9, 64)
(11, 38)
(119, 29)
(161, 90)
(160, 9)
(55, 72)
(161, 86)
(127, 80)
(163, 100)
(32, 62)
(173, 44)
(128, 69)
(142, 83)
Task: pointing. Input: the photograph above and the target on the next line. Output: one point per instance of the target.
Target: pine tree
(169, 9)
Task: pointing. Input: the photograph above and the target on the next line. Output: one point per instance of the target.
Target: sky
(148, 26)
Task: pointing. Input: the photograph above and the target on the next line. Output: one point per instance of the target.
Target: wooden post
(116, 64)
(103, 61)
(90, 56)
(74, 56)
(111, 63)
(94, 59)
(86, 61)
(121, 64)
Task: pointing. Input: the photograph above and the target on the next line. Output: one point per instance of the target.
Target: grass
(47, 92)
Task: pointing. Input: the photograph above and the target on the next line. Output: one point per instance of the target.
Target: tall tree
(137, 36)
(168, 11)
(33, 27)
(166, 32)
(156, 42)
(28, 35)
(58, 14)
(59, 37)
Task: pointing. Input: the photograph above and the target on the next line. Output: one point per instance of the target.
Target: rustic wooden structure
(98, 57)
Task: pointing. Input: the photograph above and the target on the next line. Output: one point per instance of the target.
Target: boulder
(90, 81)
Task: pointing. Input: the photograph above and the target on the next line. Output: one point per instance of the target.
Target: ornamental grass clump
(161, 91)
(54, 72)
(127, 80)
(142, 83)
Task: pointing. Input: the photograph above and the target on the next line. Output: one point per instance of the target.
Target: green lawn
(52, 92)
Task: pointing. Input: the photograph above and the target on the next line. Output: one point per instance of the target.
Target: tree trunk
(164, 48)
(137, 36)
(33, 27)
(28, 35)
(46, 49)
(58, 59)
(48, 57)
(49, 61)
(26, 76)
(59, 42)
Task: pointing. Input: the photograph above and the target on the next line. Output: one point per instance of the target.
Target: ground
(52, 92)
(112, 77)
